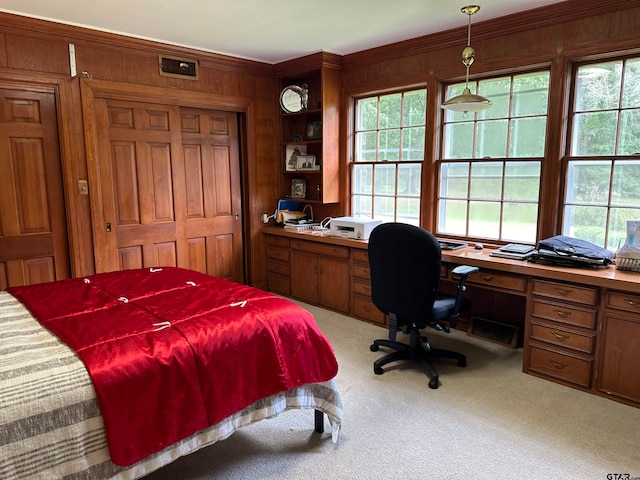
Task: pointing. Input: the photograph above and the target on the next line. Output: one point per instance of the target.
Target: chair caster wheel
(433, 383)
(378, 370)
(374, 348)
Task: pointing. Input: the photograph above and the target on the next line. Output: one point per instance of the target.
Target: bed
(117, 374)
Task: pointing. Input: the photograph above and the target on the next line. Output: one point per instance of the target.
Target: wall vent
(175, 67)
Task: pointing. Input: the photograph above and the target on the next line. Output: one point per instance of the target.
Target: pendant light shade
(467, 101)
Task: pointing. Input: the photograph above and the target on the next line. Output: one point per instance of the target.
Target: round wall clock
(293, 98)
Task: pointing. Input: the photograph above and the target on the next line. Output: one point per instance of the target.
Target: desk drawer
(279, 267)
(278, 254)
(566, 314)
(565, 291)
(623, 301)
(361, 271)
(566, 338)
(277, 241)
(565, 367)
(362, 287)
(360, 255)
(499, 279)
(321, 248)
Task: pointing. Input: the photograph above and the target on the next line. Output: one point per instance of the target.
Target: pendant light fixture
(467, 101)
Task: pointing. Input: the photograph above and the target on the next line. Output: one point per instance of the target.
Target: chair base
(418, 351)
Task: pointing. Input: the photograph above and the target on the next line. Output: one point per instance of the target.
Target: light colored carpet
(486, 421)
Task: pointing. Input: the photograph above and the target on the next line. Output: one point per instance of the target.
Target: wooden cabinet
(561, 329)
(314, 130)
(620, 352)
(363, 307)
(317, 273)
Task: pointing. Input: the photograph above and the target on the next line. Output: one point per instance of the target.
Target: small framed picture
(292, 152)
(306, 162)
(314, 130)
(298, 188)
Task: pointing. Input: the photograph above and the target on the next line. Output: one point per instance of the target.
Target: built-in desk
(581, 327)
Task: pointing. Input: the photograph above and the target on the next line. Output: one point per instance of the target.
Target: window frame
(444, 158)
(396, 197)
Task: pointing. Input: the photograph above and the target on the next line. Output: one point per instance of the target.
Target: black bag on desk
(571, 252)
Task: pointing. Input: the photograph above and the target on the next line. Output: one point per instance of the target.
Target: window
(490, 168)
(603, 163)
(388, 154)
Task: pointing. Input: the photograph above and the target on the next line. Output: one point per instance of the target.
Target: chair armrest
(464, 270)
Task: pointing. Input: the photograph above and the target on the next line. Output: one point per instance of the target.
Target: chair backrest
(404, 261)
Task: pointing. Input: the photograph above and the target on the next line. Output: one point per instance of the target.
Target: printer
(352, 227)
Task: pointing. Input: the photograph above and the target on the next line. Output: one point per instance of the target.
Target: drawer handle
(558, 365)
(487, 278)
(562, 313)
(367, 289)
(631, 302)
(563, 291)
(560, 337)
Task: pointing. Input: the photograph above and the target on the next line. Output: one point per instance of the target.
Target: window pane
(522, 181)
(458, 140)
(408, 211)
(361, 205)
(409, 180)
(498, 90)
(361, 179)
(486, 181)
(415, 108)
(484, 219)
(629, 132)
(390, 110)
(585, 222)
(491, 139)
(588, 182)
(366, 146)
(530, 94)
(527, 137)
(452, 216)
(454, 180)
(598, 86)
(389, 148)
(618, 226)
(367, 114)
(385, 180)
(519, 222)
(594, 133)
(631, 88)
(383, 208)
(626, 184)
(413, 143)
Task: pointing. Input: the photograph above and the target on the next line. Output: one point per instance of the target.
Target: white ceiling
(269, 31)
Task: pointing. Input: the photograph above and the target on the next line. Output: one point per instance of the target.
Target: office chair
(404, 261)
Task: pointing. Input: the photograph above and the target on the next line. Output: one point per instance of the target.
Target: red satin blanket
(172, 351)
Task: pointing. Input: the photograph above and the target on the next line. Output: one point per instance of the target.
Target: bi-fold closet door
(165, 182)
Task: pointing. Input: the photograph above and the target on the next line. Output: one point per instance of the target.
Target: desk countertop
(608, 277)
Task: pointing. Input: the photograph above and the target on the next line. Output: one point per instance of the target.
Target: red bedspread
(172, 351)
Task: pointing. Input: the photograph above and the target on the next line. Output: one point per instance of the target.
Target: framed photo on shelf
(306, 162)
(298, 188)
(314, 130)
(292, 152)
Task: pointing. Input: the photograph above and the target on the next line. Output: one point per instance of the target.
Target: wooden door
(170, 188)
(33, 237)
(334, 284)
